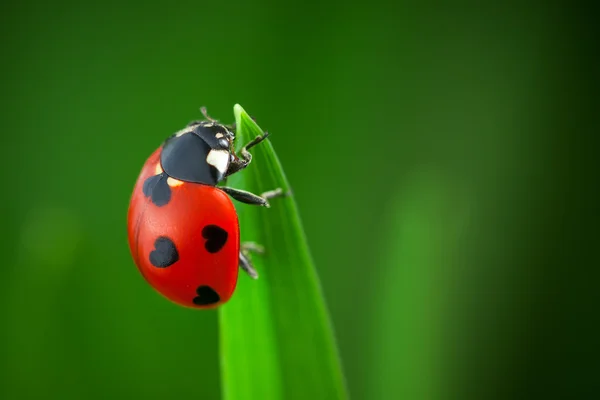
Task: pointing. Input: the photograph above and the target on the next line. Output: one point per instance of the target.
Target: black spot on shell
(206, 296)
(165, 253)
(157, 189)
(215, 236)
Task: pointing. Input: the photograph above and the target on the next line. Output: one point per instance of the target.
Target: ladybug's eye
(223, 143)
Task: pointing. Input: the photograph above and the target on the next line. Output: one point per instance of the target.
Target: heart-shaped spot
(165, 253)
(206, 296)
(215, 236)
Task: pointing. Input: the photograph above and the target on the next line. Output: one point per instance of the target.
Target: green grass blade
(276, 340)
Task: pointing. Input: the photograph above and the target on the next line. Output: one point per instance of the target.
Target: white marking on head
(174, 182)
(158, 170)
(219, 135)
(218, 159)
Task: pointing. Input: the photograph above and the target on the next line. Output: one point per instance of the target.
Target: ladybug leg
(271, 194)
(252, 247)
(205, 114)
(242, 159)
(211, 119)
(245, 249)
(251, 198)
(246, 265)
(206, 117)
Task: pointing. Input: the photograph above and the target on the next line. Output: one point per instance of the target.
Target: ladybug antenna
(205, 114)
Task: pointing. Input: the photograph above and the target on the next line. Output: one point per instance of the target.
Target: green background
(439, 157)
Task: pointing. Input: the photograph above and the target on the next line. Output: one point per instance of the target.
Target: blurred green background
(438, 156)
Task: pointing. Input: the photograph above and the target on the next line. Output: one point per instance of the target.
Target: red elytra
(198, 278)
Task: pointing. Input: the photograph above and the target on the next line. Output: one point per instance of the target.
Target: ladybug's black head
(199, 153)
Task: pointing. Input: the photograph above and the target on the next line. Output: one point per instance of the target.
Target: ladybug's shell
(196, 278)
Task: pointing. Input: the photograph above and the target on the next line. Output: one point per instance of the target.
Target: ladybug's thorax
(200, 153)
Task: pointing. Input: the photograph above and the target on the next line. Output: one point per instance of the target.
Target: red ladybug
(183, 230)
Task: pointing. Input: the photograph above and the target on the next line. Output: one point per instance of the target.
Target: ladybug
(183, 229)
